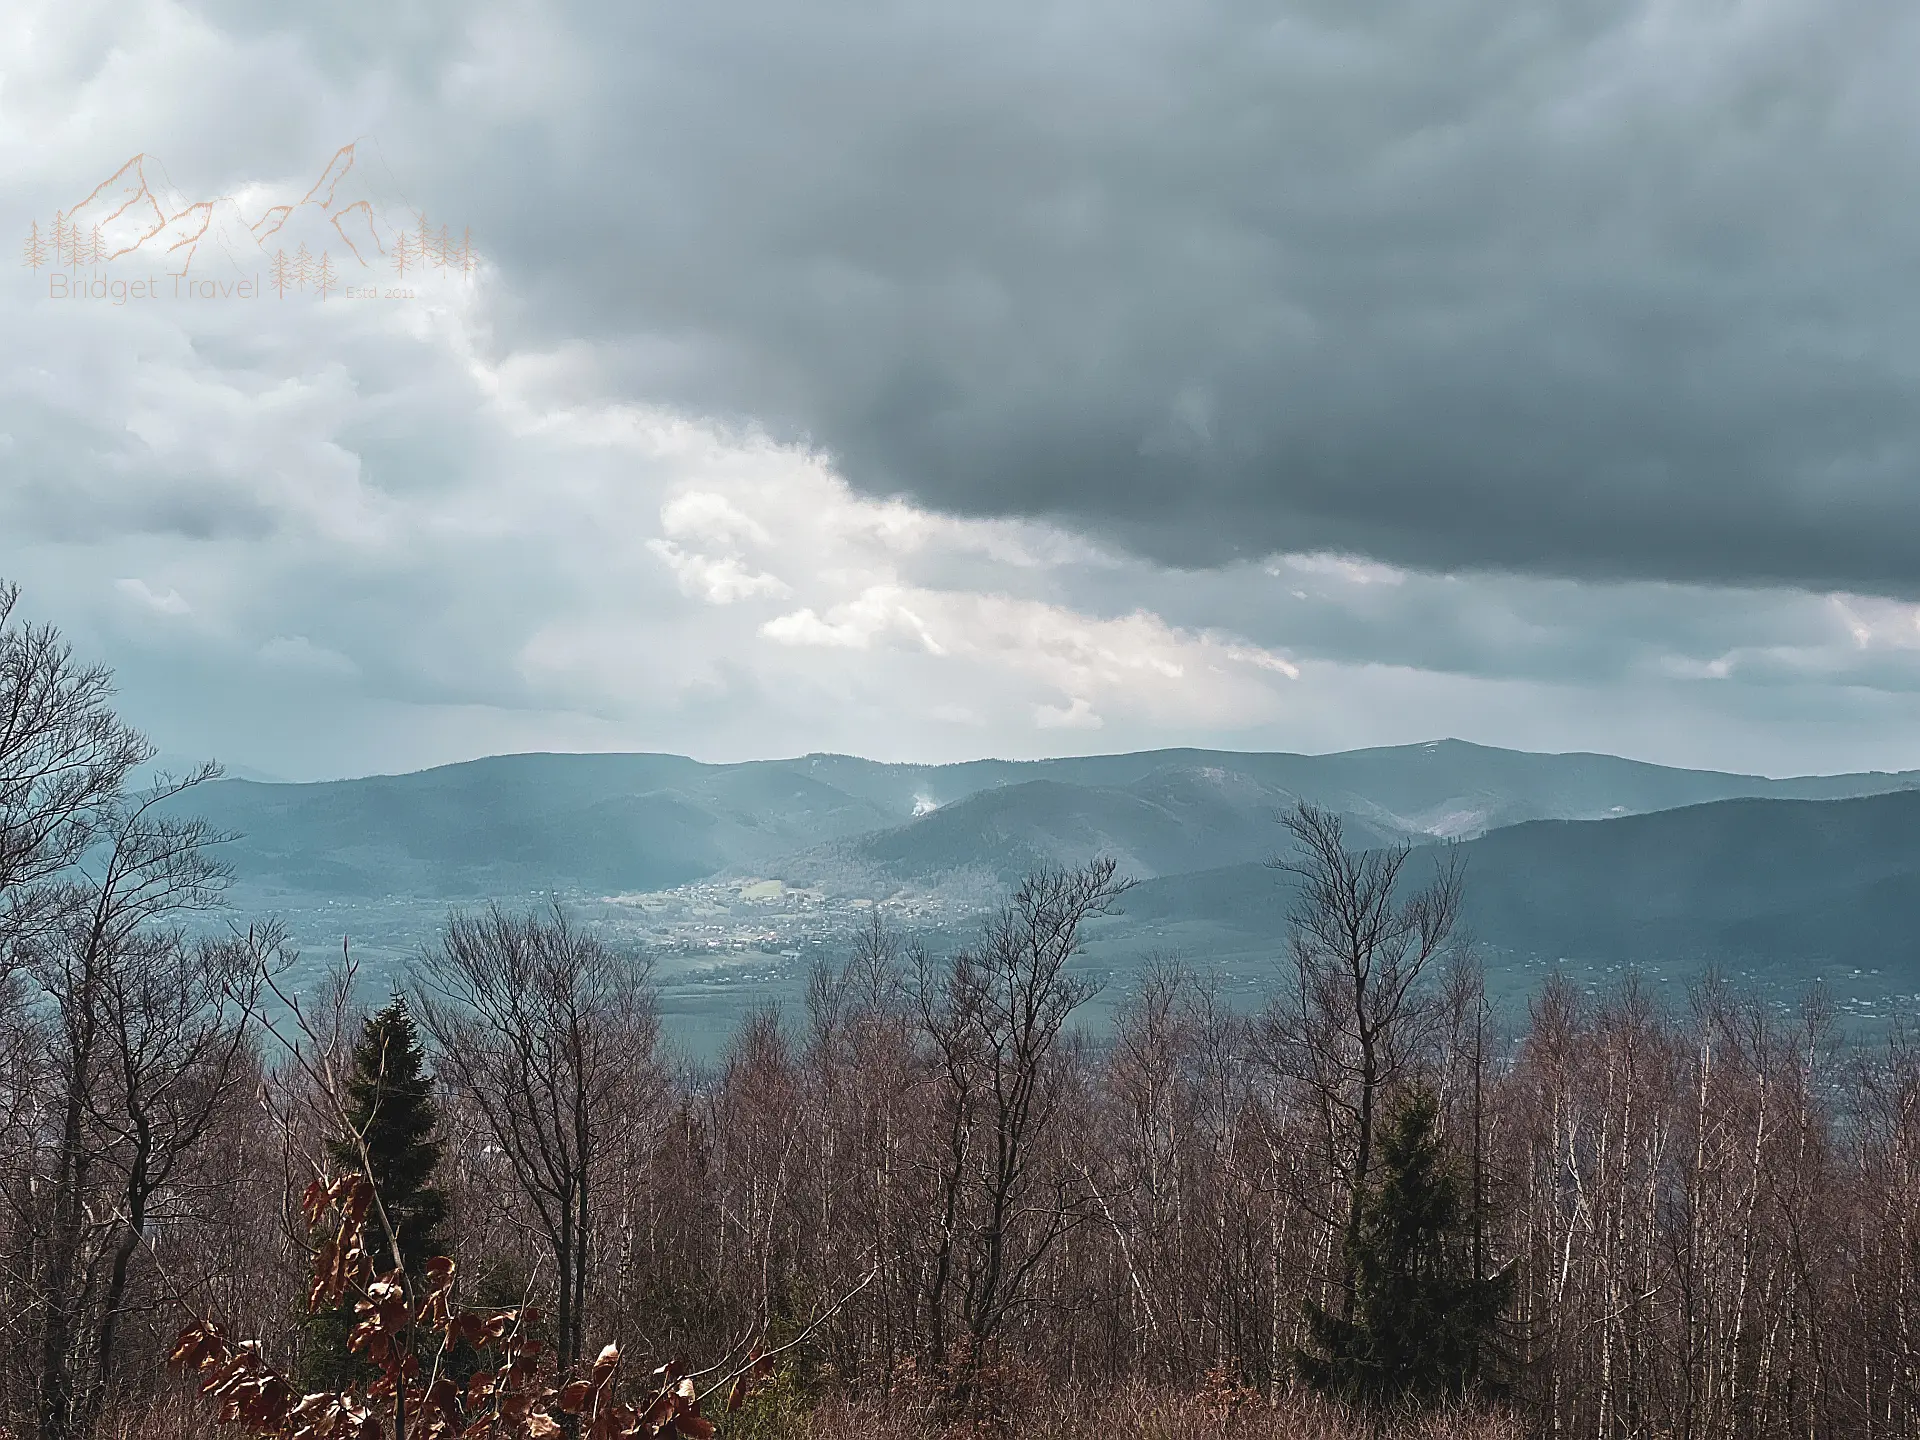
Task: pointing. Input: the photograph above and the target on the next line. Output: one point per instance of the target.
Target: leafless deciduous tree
(64, 757)
(548, 1034)
(1361, 941)
(994, 1018)
(148, 1036)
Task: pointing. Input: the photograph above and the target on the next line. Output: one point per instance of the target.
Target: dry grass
(1132, 1412)
(1030, 1412)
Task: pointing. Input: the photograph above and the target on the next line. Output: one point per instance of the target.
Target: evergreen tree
(390, 1103)
(1421, 1327)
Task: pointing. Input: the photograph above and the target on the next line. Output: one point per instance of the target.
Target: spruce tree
(1421, 1325)
(390, 1104)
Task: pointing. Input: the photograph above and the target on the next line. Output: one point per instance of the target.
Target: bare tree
(148, 1035)
(1361, 941)
(993, 1018)
(550, 1035)
(65, 756)
(869, 1093)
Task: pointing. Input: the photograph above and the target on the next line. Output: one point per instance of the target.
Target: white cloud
(169, 603)
(1354, 570)
(1876, 624)
(803, 627)
(718, 580)
(703, 515)
(297, 652)
(878, 612)
(1077, 716)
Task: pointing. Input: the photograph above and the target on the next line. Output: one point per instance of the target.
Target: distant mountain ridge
(1169, 821)
(1757, 883)
(613, 823)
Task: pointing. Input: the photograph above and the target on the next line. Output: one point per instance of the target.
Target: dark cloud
(1586, 289)
(1582, 289)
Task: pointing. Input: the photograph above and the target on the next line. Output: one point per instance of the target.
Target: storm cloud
(1595, 290)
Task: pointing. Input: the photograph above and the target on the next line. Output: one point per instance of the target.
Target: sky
(930, 382)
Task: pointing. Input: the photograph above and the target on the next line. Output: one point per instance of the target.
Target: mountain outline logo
(339, 229)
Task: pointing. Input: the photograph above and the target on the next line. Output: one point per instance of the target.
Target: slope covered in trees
(1786, 887)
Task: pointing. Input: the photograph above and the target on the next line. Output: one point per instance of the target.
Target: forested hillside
(1787, 888)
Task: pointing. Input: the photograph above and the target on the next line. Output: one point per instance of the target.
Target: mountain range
(1587, 860)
